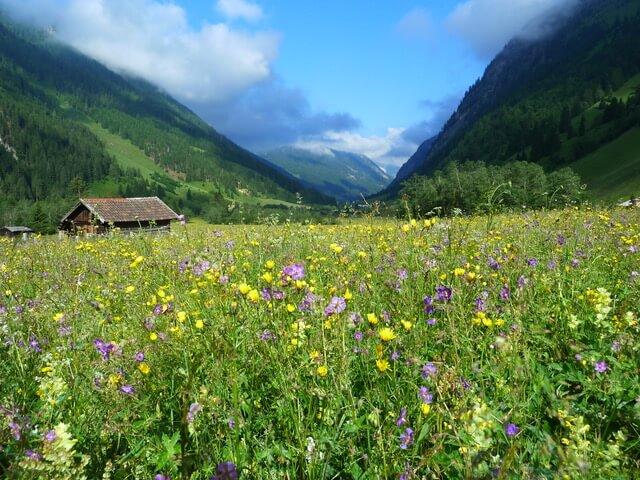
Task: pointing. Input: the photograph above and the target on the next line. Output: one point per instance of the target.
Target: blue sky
(375, 77)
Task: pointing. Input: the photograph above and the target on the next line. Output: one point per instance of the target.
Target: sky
(375, 77)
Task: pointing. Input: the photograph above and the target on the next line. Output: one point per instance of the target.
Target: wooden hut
(14, 232)
(98, 215)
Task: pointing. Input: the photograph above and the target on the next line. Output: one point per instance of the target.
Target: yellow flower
(382, 364)
(270, 264)
(314, 354)
(336, 248)
(322, 371)
(348, 295)
(58, 316)
(253, 296)
(267, 277)
(144, 368)
(425, 408)
(199, 324)
(243, 288)
(372, 319)
(130, 289)
(153, 336)
(386, 334)
(291, 308)
(407, 325)
(458, 272)
(182, 316)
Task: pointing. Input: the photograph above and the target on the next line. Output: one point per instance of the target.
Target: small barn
(98, 215)
(14, 232)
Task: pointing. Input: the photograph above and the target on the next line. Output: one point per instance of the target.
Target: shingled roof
(142, 209)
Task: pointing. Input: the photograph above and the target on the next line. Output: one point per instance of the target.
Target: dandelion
(382, 364)
(386, 334)
(144, 368)
(322, 371)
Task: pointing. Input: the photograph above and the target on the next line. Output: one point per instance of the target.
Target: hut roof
(16, 229)
(142, 209)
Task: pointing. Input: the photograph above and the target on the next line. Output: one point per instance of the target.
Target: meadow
(481, 347)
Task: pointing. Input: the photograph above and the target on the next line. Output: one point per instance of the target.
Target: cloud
(388, 149)
(487, 25)
(240, 9)
(153, 40)
(271, 114)
(438, 112)
(416, 25)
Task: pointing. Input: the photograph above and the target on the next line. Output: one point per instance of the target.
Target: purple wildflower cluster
(295, 271)
(336, 305)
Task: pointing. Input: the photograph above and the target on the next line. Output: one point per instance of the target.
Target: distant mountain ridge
(552, 101)
(343, 175)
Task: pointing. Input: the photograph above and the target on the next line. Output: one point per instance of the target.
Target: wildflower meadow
(483, 347)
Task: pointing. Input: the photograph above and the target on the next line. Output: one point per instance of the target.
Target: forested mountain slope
(58, 108)
(553, 101)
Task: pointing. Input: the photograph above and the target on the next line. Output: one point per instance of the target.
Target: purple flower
(50, 436)
(223, 280)
(358, 336)
(493, 264)
(231, 423)
(402, 419)
(505, 293)
(226, 471)
(32, 455)
(266, 294)
(229, 245)
(552, 265)
(64, 330)
(105, 349)
(160, 476)
(128, 389)
(139, 356)
(402, 274)
(443, 293)
(267, 335)
(431, 322)
(295, 271)
(428, 305)
(532, 262)
(481, 305)
(511, 429)
(425, 395)
(601, 366)
(16, 430)
(277, 295)
(336, 305)
(428, 369)
(615, 346)
(33, 343)
(560, 239)
(308, 301)
(395, 355)
(522, 281)
(201, 267)
(194, 409)
(406, 439)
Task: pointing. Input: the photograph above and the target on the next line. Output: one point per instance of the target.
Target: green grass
(452, 349)
(613, 171)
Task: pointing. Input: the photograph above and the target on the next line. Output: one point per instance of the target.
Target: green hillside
(70, 126)
(613, 171)
(343, 175)
(568, 99)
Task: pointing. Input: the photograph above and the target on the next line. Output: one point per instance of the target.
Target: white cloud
(416, 24)
(153, 40)
(240, 9)
(487, 25)
(392, 148)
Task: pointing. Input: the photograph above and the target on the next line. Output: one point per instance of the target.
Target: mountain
(570, 98)
(70, 126)
(343, 175)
